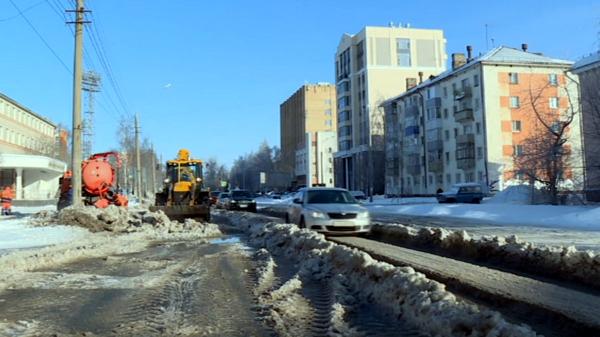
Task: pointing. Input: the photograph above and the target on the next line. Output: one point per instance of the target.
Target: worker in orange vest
(6, 197)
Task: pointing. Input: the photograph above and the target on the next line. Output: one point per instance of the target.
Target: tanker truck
(99, 182)
(183, 194)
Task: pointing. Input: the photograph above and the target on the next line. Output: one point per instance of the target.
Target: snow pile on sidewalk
(422, 302)
(518, 195)
(124, 220)
(380, 200)
(560, 262)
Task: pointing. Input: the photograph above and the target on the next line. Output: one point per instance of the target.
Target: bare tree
(545, 156)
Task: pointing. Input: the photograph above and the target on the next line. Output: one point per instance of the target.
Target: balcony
(411, 131)
(436, 165)
(435, 102)
(413, 148)
(435, 145)
(465, 163)
(412, 111)
(413, 169)
(435, 123)
(464, 114)
(462, 93)
(465, 140)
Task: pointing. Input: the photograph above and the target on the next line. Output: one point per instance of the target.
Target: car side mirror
(297, 201)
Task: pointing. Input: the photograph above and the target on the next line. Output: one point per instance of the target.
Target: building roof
(20, 106)
(498, 55)
(590, 61)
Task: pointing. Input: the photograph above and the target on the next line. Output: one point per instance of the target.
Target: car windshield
(215, 194)
(224, 195)
(241, 194)
(330, 197)
(454, 189)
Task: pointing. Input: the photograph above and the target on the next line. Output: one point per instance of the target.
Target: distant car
(222, 199)
(463, 193)
(359, 195)
(214, 196)
(329, 211)
(241, 200)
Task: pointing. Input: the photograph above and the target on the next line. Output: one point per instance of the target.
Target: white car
(329, 211)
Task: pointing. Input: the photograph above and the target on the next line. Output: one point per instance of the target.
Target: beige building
(371, 66)
(588, 70)
(309, 110)
(314, 161)
(28, 143)
(469, 123)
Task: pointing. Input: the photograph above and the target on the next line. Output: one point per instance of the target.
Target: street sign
(263, 178)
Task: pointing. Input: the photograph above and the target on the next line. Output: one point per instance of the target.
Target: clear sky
(210, 75)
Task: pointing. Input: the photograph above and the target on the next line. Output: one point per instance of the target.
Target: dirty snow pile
(422, 302)
(564, 262)
(125, 220)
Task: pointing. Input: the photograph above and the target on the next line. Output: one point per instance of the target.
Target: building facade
(588, 70)
(309, 111)
(314, 161)
(469, 123)
(370, 67)
(28, 143)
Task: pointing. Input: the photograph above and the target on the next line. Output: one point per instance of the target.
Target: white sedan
(328, 210)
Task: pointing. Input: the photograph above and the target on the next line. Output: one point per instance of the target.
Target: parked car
(241, 200)
(214, 196)
(329, 211)
(464, 193)
(223, 199)
(359, 195)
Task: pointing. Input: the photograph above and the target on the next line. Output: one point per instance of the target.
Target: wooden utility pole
(77, 124)
(153, 189)
(138, 164)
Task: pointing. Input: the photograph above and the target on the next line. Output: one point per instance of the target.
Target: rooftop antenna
(487, 47)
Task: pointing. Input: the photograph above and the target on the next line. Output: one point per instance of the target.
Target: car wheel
(302, 224)
(477, 201)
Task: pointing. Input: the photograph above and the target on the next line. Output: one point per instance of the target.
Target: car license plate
(243, 206)
(342, 223)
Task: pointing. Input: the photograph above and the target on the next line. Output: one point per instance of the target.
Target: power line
(24, 11)
(40, 36)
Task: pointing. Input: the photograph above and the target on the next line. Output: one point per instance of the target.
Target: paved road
(578, 307)
(537, 234)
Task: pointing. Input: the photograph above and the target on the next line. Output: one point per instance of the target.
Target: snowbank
(564, 262)
(17, 234)
(124, 220)
(571, 217)
(378, 200)
(423, 302)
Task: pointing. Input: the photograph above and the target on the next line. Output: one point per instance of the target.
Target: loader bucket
(182, 212)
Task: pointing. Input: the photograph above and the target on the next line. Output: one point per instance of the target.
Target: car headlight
(198, 179)
(167, 180)
(363, 215)
(317, 215)
(233, 201)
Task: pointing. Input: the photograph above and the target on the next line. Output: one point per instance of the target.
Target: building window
(553, 102)
(328, 122)
(458, 178)
(455, 133)
(449, 178)
(446, 134)
(467, 129)
(553, 79)
(480, 176)
(430, 180)
(513, 78)
(469, 177)
(447, 157)
(445, 92)
(328, 112)
(479, 152)
(514, 101)
(478, 128)
(446, 113)
(476, 80)
(476, 105)
(403, 52)
(516, 126)
(518, 150)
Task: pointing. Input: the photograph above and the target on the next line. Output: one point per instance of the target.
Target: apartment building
(467, 124)
(314, 161)
(303, 116)
(588, 70)
(28, 142)
(370, 67)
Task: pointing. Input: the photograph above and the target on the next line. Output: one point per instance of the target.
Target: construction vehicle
(183, 194)
(99, 182)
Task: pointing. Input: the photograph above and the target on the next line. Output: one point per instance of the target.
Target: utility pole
(138, 173)
(91, 85)
(153, 190)
(77, 78)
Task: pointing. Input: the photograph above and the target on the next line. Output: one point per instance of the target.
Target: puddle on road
(227, 240)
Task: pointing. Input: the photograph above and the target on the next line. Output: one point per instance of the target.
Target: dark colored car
(463, 193)
(241, 200)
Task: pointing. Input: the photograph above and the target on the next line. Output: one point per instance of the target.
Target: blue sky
(210, 75)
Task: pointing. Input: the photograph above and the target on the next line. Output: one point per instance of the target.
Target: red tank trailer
(99, 182)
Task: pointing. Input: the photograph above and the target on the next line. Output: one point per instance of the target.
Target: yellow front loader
(183, 194)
